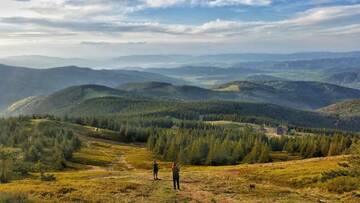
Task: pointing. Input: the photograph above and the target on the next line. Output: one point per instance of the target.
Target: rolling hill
(348, 109)
(18, 83)
(317, 69)
(202, 71)
(94, 100)
(296, 94)
(62, 100)
(293, 94)
(346, 78)
(169, 91)
(38, 61)
(207, 74)
(263, 77)
(42, 61)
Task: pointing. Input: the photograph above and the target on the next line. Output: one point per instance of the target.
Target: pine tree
(253, 156)
(355, 158)
(333, 149)
(238, 152)
(264, 155)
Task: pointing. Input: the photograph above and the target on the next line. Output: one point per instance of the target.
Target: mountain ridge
(20, 82)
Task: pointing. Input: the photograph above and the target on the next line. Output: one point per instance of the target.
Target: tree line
(22, 146)
(197, 142)
(246, 145)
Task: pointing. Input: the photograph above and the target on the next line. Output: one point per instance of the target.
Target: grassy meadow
(108, 171)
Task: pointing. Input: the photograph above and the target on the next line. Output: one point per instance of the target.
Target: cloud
(38, 34)
(238, 2)
(319, 15)
(86, 26)
(108, 23)
(162, 3)
(210, 3)
(312, 19)
(91, 43)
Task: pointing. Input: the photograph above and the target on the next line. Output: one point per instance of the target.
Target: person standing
(155, 170)
(176, 176)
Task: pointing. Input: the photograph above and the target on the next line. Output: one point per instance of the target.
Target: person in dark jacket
(155, 170)
(176, 176)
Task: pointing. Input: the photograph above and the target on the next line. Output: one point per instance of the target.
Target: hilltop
(94, 100)
(296, 94)
(62, 100)
(348, 78)
(169, 91)
(18, 82)
(343, 109)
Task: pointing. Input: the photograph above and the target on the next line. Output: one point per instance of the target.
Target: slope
(61, 100)
(169, 91)
(18, 83)
(108, 171)
(296, 94)
(349, 108)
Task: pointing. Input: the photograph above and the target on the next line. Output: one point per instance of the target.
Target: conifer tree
(264, 155)
(355, 158)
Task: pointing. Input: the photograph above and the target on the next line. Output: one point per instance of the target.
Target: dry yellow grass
(107, 171)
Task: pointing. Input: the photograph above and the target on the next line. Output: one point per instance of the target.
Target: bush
(327, 175)
(48, 177)
(343, 184)
(9, 198)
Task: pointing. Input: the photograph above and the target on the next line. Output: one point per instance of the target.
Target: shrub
(327, 175)
(343, 184)
(9, 198)
(47, 177)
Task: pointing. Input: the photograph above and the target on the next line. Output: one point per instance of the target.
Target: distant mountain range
(169, 91)
(294, 94)
(329, 70)
(18, 82)
(37, 61)
(347, 79)
(94, 100)
(289, 83)
(264, 77)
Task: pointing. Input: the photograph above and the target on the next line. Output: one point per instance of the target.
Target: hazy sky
(90, 28)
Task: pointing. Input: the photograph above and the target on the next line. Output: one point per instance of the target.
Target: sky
(109, 28)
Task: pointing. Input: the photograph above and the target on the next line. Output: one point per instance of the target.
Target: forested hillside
(296, 94)
(26, 147)
(62, 100)
(18, 83)
(93, 100)
(347, 109)
(173, 92)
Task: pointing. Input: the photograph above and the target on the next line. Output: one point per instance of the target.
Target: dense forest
(25, 148)
(129, 107)
(200, 143)
(227, 146)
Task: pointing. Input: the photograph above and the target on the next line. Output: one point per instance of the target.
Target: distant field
(107, 171)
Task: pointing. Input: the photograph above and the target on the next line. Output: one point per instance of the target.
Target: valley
(179, 101)
(250, 131)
